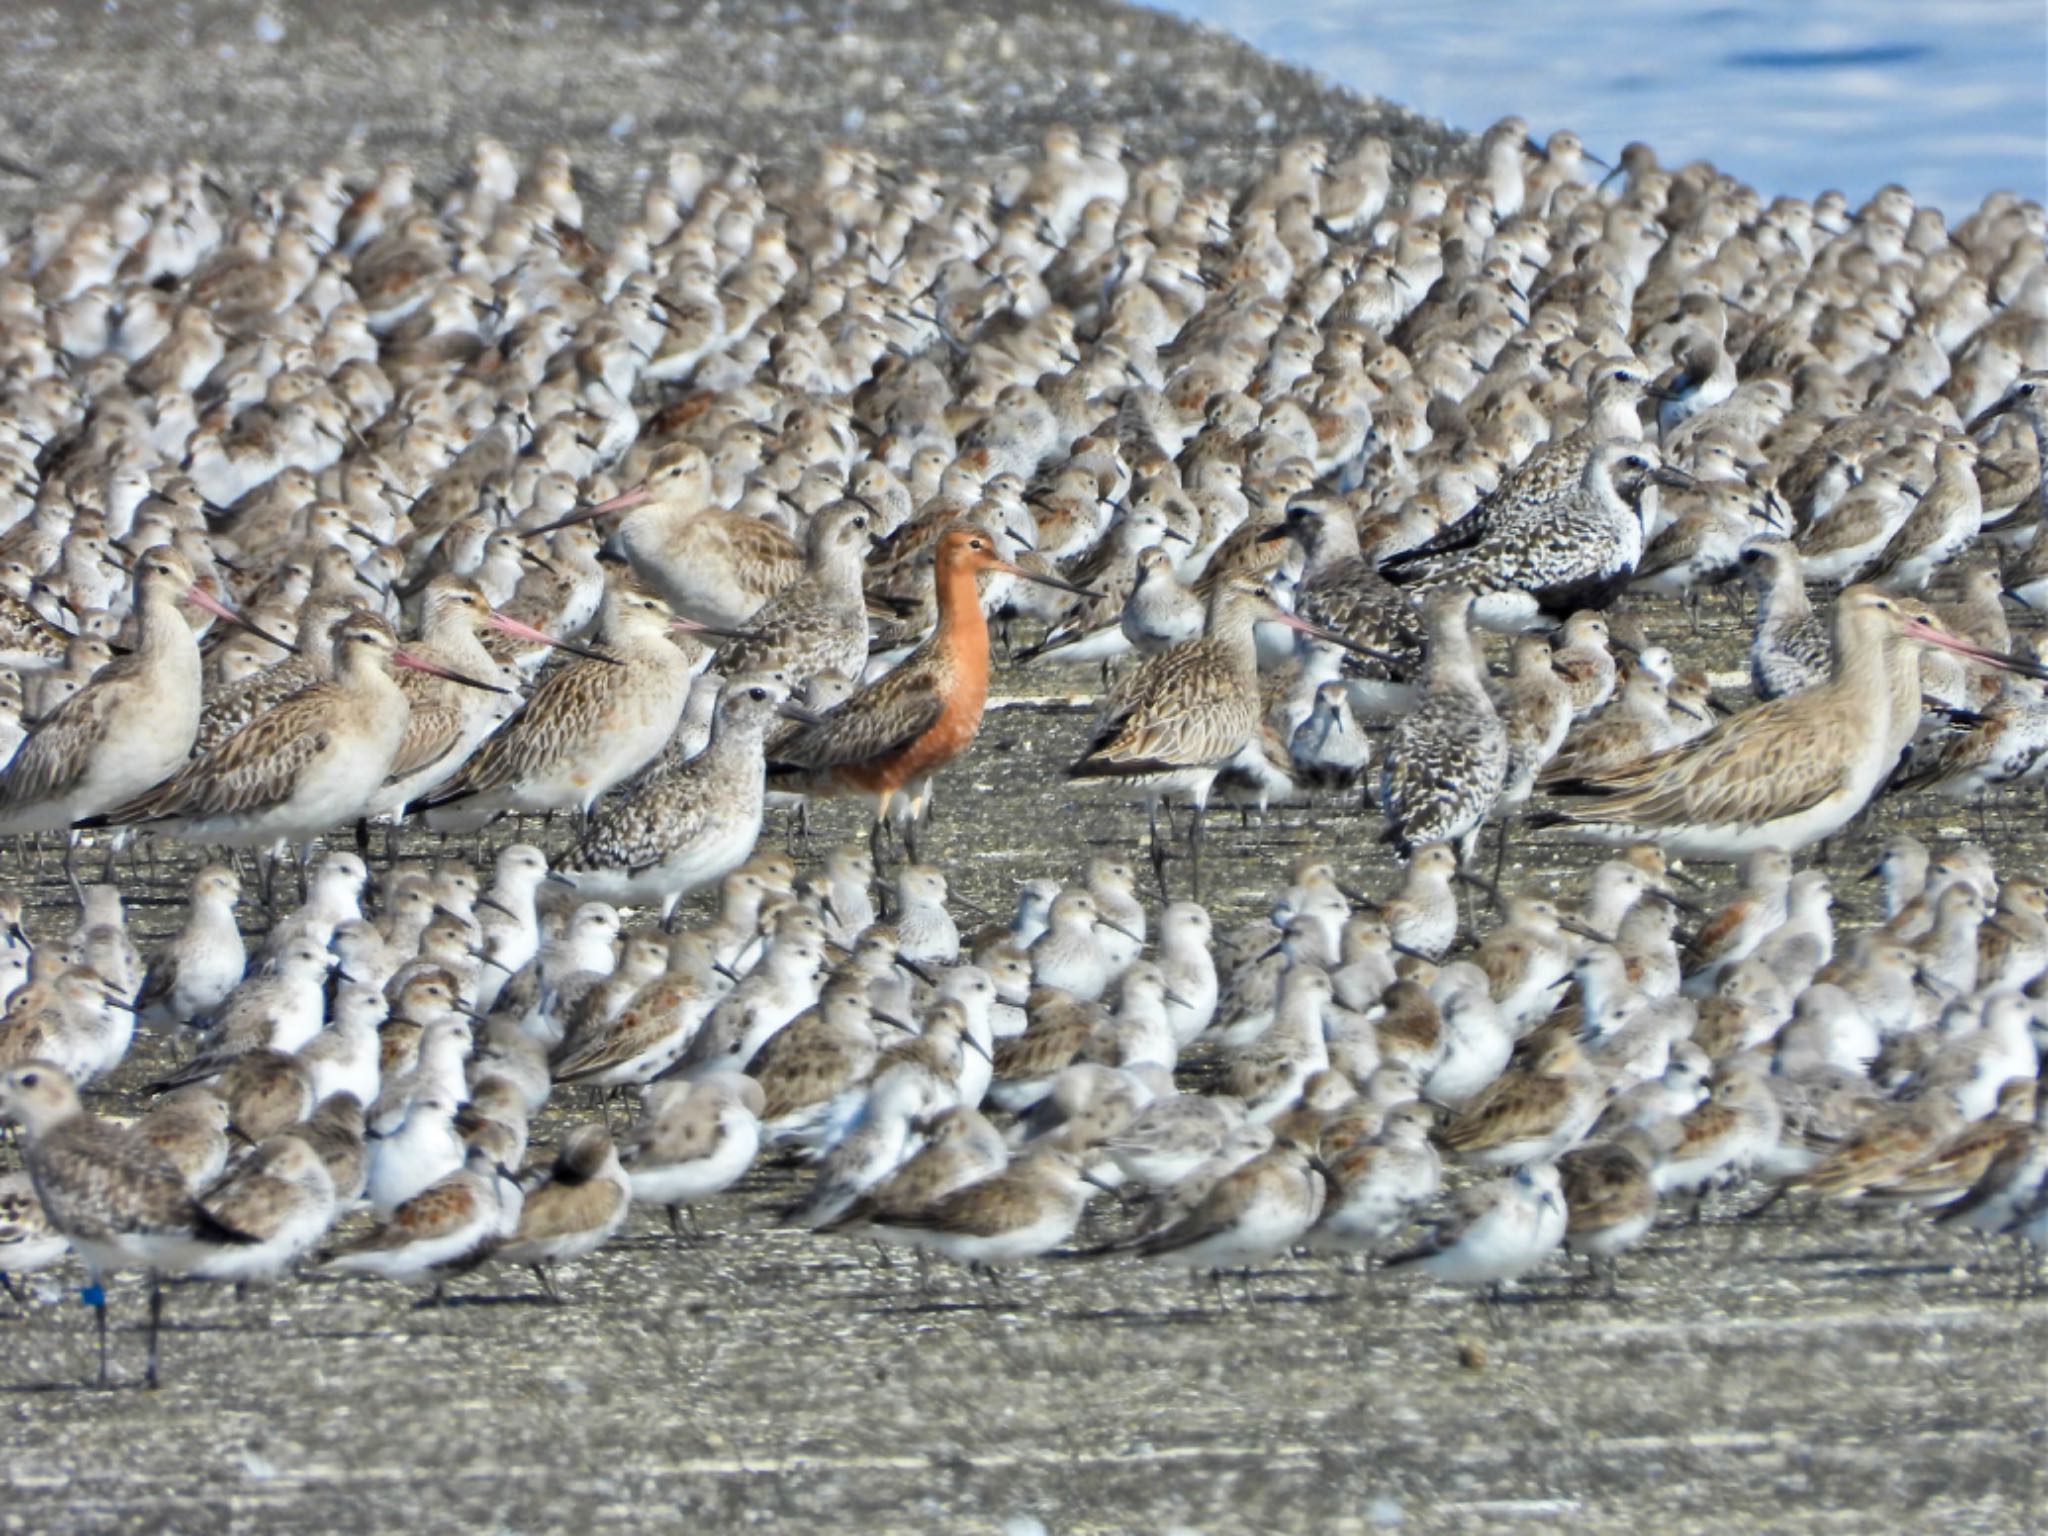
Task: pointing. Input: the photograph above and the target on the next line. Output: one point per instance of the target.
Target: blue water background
(1948, 97)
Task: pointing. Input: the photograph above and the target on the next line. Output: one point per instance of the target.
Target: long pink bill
(199, 597)
(625, 501)
(1044, 580)
(1920, 629)
(435, 669)
(511, 626)
(1331, 637)
(692, 627)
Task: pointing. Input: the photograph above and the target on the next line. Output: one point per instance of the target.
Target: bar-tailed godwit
(891, 737)
(1792, 770)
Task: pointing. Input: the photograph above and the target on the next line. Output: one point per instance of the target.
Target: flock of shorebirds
(708, 509)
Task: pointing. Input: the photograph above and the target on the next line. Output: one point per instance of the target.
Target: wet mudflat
(1836, 1371)
(1809, 1372)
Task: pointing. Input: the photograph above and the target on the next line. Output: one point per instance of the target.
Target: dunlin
(453, 1224)
(693, 1141)
(1499, 1232)
(574, 1210)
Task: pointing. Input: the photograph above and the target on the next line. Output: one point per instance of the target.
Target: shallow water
(1950, 99)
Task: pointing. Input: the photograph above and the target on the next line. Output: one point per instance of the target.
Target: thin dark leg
(96, 1297)
(156, 1322)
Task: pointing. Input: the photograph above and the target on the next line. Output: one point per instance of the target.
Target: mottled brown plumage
(589, 725)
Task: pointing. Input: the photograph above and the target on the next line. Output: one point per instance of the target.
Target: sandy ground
(256, 89)
(1800, 1372)
(1804, 1371)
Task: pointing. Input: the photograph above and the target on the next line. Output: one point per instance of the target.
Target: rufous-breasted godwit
(891, 737)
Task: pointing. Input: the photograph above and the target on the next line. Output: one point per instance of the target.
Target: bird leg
(156, 1323)
(1195, 850)
(879, 836)
(94, 1295)
(71, 865)
(1493, 1298)
(918, 801)
(547, 1283)
(1158, 850)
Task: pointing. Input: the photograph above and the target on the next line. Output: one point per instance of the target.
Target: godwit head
(456, 600)
(363, 640)
(164, 569)
(678, 478)
(1920, 627)
(966, 553)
